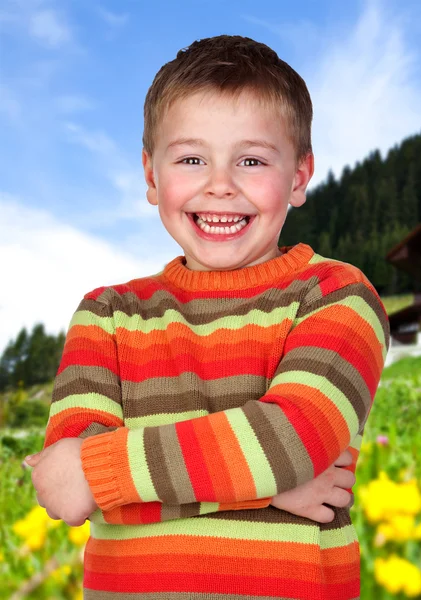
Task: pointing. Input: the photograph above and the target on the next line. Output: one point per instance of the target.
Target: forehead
(216, 113)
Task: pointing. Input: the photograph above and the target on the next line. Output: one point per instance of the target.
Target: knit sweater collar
(292, 258)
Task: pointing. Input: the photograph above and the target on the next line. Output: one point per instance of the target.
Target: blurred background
(74, 216)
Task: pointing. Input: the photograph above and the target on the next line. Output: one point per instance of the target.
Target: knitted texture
(200, 396)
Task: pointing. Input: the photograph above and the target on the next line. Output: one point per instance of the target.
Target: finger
(33, 459)
(52, 515)
(40, 502)
(344, 460)
(322, 514)
(344, 478)
(339, 497)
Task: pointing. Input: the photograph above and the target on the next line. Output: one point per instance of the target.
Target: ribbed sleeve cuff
(104, 464)
(260, 503)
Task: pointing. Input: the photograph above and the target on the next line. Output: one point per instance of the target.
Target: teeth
(210, 218)
(221, 230)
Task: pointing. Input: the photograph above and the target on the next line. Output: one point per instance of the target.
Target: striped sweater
(200, 396)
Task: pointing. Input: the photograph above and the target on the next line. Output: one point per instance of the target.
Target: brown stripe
(180, 511)
(157, 467)
(203, 311)
(164, 395)
(313, 301)
(96, 429)
(96, 307)
(98, 595)
(163, 451)
(331, 366)
(79, 379)
(281, 444)
(270, 514)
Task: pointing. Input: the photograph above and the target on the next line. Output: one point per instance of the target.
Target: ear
(302, 177)
(151, 193)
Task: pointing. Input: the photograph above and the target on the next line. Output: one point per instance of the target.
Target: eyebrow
(242, 144)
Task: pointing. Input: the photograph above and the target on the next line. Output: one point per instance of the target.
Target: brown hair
(231, 64)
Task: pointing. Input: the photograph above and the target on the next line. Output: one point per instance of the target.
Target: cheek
(176, 189)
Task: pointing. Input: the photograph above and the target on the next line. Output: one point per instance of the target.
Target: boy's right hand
(329, 487)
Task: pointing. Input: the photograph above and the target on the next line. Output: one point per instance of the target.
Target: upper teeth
(211, 218)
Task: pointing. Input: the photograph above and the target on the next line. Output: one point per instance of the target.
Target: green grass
(394, 303)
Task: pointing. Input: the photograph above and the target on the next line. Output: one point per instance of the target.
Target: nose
(220, 184)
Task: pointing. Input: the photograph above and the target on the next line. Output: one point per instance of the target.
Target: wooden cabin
(405, 324)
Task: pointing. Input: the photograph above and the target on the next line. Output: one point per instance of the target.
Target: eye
(190, 160)
(255, 162)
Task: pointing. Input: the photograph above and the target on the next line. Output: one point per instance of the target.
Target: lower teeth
(221, 230)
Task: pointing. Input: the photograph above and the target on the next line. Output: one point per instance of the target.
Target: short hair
(231, 64)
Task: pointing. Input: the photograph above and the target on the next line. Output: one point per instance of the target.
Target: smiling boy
(211, 405)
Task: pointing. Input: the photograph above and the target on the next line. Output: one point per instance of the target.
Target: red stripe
(219, 583)
(347, 350)
(247, 365)
(195, 464)
(312, 438)
(88, 358)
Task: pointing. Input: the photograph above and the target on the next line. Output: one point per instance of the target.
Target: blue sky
(73, 77)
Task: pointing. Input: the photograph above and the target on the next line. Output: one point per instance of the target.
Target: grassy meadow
(41, 559)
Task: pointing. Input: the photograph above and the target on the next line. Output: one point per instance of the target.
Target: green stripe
(364, 310)
(317, 258)
(208, 507)
(87, 401)
(325, 387)
(235, 530)
(232, 323)
(97, 517)
(253, 453)
(139, 466)
(356, 442)
(86, 317)
(163, 419)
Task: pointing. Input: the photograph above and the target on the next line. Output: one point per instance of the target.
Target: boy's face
(221, 163)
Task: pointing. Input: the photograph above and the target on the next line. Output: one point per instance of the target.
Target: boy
(201, 405)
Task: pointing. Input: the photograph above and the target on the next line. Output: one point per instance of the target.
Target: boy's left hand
(60, 483)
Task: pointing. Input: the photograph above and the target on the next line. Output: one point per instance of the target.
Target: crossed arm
(315, 408)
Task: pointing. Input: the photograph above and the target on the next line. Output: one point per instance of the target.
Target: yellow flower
(398, 575)
(399, 528)
(79, 595)
(61, 574)
(33, 528)
(79, 535)
(383, 498)
(1, 557)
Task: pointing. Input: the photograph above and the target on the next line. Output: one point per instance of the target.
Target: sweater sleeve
(316, 406)
(87, 402)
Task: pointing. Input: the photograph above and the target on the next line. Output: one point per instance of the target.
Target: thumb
(33, 459)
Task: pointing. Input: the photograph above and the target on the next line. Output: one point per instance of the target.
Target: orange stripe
(214, 546)
(84, 415)
(88, 332)
(334, 318)
(283, 568)
(142, 356)
(124, 474)
(214, 459)
(320, 410)
(233, 457)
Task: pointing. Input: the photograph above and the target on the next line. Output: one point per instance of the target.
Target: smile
(220, 227)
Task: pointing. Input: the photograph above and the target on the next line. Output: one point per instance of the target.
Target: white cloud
(47, 267)
(72, 103)
(364, 82)
(112, 18)
(49, 28)
(9, 103)
(126, 177)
